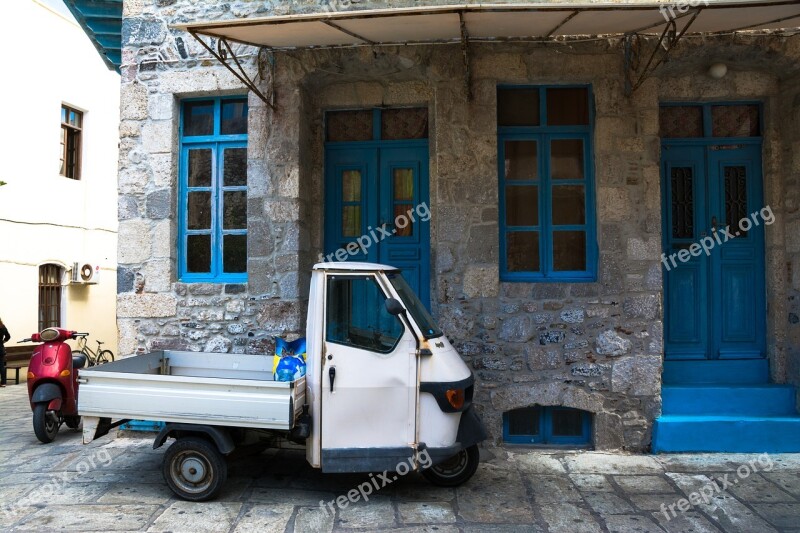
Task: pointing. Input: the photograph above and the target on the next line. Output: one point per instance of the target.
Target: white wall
(45, 217)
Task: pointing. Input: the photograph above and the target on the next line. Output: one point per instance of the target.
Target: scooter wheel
(455, 470)
(44, 425)
(194, 469)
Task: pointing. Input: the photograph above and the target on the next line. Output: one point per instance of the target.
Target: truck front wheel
(194, 469)
(456, 470)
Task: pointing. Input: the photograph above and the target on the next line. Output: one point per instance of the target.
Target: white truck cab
(383, 388)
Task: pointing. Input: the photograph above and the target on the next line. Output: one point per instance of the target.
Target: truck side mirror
(394, 307)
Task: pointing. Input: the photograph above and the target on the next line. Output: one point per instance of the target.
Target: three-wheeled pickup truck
(383, 388)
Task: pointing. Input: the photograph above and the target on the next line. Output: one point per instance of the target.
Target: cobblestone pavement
(115, 484)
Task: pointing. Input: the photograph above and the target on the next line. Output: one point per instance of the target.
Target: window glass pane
(234, 254)
(522, 251)
(198, 253)
(404, 123)
(401, 215)
(569, 250)
(682, 193)
(200, 168)
(234, 210)
(518, 107)
(521, 160)
(522, 205)
(569, 205)
(735, 121)
(63, 114)
(349, 125)
(681, 121)
(567, 422)
(351, 221)
(198, 208)
(566, 159)
(234, 117)
(198, 118)
(351, 185)
(736, 196)
(234, 172)
(356, 315)
(403, 184)
(568, 106)
(524, 421)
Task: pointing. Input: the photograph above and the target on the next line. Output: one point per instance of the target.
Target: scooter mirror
(394, 307)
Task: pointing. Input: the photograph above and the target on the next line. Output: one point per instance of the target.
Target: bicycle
(93, 357)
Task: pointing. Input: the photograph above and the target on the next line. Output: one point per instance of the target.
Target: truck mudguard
(470, 429)
(219, 435)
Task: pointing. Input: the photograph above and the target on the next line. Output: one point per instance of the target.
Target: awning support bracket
(226, 56)
(465, 55)
(669, 39)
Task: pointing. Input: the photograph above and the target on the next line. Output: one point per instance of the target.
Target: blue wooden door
(714, 296)
(377, 210)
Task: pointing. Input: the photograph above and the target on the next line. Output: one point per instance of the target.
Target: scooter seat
(78, 361)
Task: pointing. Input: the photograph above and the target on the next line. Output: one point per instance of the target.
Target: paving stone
(424, 492)
(493, 488)
(313, 519)
(783, 515)
(631, 524)
(726, 511)
(89, 518)
(607, 503)
(604, 463)
(788, 481)
(295, 496)
(592, 482)
(689, 522)
(644, 484)
(137, 493)
(569, 518)
(553, 489)
(488, 528)
(653, 502)
(757, 489)
(370, 514)
(209, 517)
(537, 463)
(426, 513)
(264, 519)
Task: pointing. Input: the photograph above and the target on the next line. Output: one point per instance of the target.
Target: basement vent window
(547, 425)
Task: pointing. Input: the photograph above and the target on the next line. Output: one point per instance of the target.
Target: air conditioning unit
(85, 273)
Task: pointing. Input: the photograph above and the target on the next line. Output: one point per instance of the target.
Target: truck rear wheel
(194, 469)
(456, 470)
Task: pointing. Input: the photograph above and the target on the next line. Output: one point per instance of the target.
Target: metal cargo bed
(194, 388)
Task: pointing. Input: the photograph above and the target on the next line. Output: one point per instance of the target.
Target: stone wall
(594, 346)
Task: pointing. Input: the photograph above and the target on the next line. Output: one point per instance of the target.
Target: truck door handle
(332, 376)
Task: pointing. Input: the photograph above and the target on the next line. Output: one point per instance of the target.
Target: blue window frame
(546, 179)
(212, 206)
(547, 425)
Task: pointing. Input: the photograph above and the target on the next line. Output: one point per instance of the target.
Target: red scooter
(53, 382)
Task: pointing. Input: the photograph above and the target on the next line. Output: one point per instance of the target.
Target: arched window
(49, 296)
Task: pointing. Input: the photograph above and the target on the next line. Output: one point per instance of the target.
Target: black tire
(45, 426)
(194, 469)
(456, 470)
(73, 422)
(105, 356)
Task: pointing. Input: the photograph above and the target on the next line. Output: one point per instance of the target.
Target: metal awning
(465, 23)
(441, 24)
(101, 20)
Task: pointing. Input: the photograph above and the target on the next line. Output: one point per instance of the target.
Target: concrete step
(736, 434)
(716, 371)
(729, 400)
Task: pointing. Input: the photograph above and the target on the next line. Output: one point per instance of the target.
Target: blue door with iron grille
(714, 283)
(376, 207)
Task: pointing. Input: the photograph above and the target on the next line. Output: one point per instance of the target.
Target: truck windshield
(421, 316)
